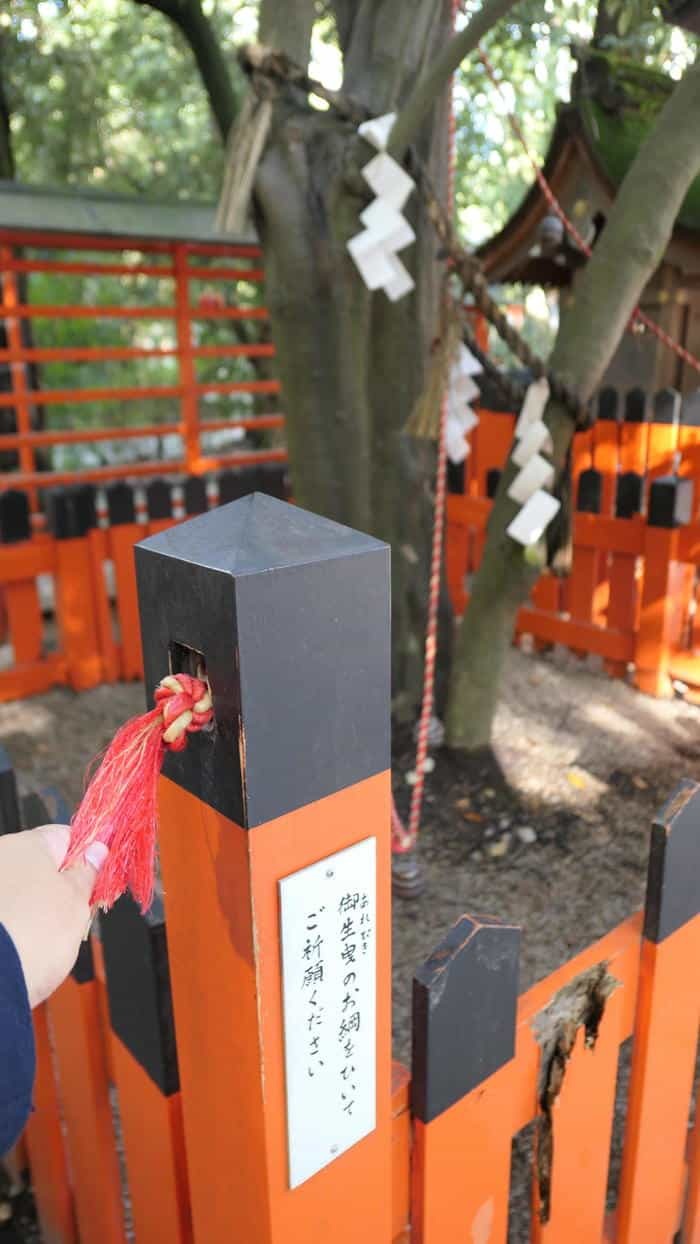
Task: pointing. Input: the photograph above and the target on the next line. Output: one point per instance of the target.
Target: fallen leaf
(576, 779)
(639, 782)
(472, 816)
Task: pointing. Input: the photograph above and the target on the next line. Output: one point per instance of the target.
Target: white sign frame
(328, 926)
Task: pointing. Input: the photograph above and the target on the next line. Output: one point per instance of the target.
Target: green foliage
(532, 55)
(105, 93)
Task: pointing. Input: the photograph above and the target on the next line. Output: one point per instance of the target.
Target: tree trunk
(593, 320)
(351, 363)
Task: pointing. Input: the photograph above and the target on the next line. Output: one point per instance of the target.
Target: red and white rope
(638, 315)
(404, 837)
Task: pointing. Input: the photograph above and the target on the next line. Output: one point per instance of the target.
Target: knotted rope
(120, 807)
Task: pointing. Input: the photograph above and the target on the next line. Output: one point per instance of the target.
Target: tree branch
(344, 12)
(213, 68)
(7, 160)
(438, 74)
(633, 242)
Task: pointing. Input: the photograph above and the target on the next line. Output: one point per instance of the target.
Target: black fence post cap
(673, 878)
(464, 1012)
(290, 614)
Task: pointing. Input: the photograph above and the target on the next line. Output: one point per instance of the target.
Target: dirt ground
(552, 835)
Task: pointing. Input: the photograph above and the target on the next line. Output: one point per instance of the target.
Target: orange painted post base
(75, 1024)
(51, 1186)
(462, 1084)
(154, 1147)
(290, 616)
(144, 1057)
(666, 1029)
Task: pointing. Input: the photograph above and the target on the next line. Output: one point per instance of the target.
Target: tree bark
(593, 320)
(351, 363)
(288, 27)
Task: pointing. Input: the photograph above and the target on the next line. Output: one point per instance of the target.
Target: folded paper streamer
(536, 473)
(386, 231)
(120, 807)
(531, 521)
(462, 389)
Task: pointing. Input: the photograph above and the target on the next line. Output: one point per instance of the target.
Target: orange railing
(631, 596)
(231, 274)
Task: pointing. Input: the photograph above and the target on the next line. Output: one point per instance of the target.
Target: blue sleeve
(17, 1056)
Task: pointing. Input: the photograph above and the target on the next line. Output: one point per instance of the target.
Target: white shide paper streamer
(462, 389)
(536, 473)
(386, 231)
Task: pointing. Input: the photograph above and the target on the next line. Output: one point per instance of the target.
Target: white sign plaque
(329, 966)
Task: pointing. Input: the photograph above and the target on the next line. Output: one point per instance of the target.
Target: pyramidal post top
(290, 616)
(257, 533)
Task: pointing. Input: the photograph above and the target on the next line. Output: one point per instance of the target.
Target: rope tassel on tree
(120, 807)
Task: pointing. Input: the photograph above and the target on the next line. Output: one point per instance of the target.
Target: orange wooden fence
(198, 285)
(166, 1047)
(194, 311)
(69, 592)
(631, 596)
(69, 606)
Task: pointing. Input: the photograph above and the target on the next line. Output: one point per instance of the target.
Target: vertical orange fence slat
(51, 1186)
(124, 532)
(87, 1110)
(24, 620)
(291, 616)
(102, 1002)
(623, 608)
(580, 587)
(666, 1028)
(189, 405)
(18, 372)
(464, 1014)
(581, 1120)
(146, 1072)
(664, 434)
(606, 447)
(606, 456)
(492, 448)
(662, 604)
(72, 517)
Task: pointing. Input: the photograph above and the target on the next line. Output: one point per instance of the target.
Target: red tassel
(120, 807)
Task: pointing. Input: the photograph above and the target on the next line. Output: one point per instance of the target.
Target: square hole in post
(185, 660)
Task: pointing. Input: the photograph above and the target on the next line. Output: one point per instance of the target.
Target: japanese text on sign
(328, 917)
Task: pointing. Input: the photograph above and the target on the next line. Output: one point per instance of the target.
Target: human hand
(46, 912)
